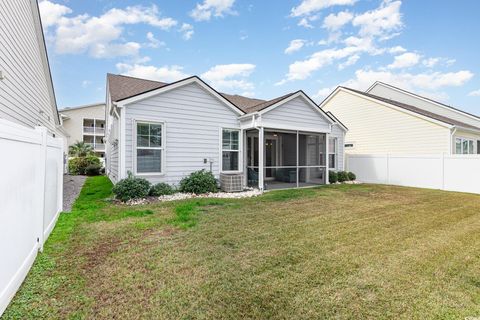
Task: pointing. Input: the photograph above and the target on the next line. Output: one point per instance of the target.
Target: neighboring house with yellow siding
(386, 119)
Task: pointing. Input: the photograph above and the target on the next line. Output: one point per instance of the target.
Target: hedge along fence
(31, 198)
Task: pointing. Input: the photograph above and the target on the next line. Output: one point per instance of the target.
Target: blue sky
(267, 48)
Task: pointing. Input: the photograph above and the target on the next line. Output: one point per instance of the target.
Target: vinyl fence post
(443, 171)
(388, 168)
(42, 176)
(60, 179)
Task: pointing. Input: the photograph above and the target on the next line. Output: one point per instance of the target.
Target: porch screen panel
(311, 159)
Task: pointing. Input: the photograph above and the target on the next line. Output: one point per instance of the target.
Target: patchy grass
(343, 251)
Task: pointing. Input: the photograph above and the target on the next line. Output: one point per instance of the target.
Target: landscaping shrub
(352, 176)
(78, 165)
(332, 177)
(199, 182)
(161, 189)
(131, 188)
(342, 176)
(93, 170)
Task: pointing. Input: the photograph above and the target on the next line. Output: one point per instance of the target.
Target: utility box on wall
(231, 182)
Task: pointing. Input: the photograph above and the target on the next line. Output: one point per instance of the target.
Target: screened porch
(290, 158)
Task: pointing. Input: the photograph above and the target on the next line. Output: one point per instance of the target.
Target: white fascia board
(296, 95)
(173, 86)
(467, 129)
(440, 123)
(411, 94)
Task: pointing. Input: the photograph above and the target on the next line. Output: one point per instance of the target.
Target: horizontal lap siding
(193, 118)
(112, 150)
(24, 93)
(375, 128)
(296, 112)
(339, 133)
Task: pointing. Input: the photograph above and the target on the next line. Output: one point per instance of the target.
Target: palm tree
(80, 149)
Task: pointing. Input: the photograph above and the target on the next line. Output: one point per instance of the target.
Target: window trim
(135, 148)
(462, 140)
(335, 139)
(240, 150)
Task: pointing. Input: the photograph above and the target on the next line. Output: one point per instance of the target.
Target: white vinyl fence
(446, 172)
(31, 191)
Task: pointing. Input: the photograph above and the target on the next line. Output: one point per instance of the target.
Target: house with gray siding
(165, 131)
(26, 91)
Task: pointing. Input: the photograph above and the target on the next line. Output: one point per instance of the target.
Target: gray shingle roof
(420, 111)
(122, 87)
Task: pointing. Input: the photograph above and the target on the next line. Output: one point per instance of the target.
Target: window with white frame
(332, 153)
(230, 149)
(464, 146)
(149, 147)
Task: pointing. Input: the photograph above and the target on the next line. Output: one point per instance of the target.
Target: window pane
(470, 146)
(465, 146)
(234, 140)
(155, 141)
(230, 139)
(149, 160)
(229, 160)
(332, 142)
(332, 161)
(142, 128)
(458, 146)
(142, 141)
(156, 129)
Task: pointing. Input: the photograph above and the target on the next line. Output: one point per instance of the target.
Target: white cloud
(295, 45)
(307, 7)
(397, 49)
(431, 62)
(334, 22)
(405, 60)
(52, 12)
(187, 30)
(154, 42)
(305, 22)
(99, 36)
(204, 11)
(410, 81)
(86, 83)
(322, 93)
(382, 22)
(475, 93)
(300, 70)
(350, 61)
(230, 76)
(164, 73)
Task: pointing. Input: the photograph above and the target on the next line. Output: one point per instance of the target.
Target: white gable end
(296, 113)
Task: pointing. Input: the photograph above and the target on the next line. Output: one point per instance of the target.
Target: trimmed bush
(342, 176)
(78, 165)
(199, 182)
(93, 170)
(352, 176)
(332, 177)
(161, 189)
(131, 188)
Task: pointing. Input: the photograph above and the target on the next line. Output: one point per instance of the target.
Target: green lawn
(343, 251)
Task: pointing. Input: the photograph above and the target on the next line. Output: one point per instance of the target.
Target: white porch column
(327, 136)
(244, 148)
(261, 164)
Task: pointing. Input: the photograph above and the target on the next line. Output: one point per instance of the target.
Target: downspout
(453, 131)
